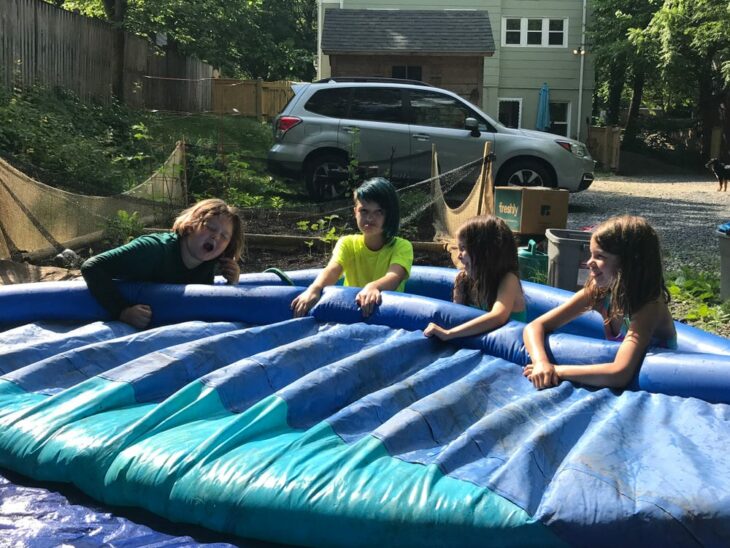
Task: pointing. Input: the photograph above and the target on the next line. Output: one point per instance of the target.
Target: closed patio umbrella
(543, 109)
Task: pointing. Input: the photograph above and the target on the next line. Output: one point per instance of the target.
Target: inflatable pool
(331, 430)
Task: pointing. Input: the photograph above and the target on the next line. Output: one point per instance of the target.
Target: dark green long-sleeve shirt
(149, 258)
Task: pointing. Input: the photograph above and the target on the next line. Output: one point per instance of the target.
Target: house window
(559, 118)
(510, 112)
(534, 32)
(407, 72)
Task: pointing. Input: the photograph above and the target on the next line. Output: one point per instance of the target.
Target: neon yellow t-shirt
(362, 266)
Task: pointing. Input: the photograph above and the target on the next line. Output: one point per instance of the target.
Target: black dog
(721, 171)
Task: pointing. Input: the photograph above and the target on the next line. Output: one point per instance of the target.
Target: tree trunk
(708, 110)
(725, 117)
(116, 11)
(637, 92)
(615, 89)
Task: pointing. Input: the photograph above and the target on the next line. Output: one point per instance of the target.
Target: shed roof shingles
(399, 31)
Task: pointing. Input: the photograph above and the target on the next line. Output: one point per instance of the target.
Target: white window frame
(568, 113)
(512, 99)
(545, 36)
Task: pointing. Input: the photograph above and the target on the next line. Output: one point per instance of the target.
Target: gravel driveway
(684, 210)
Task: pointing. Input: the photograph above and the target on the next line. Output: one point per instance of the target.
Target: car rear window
(329, 102)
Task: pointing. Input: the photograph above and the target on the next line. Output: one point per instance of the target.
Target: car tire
(326, 176)
(525, 173)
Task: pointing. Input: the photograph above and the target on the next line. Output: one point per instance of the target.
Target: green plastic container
(533, 263)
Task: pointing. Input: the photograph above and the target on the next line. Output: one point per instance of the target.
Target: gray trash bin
(568, 253)
(724, 242)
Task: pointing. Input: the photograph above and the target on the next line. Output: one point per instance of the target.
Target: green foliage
(239, 179)
(100, 149)
(324, 228)
(617, 59)
(353, 166)
(123, 228)
(269, 39)
(88, 148)
(225, 158)
(693, 45)
(277, 203)
(696, 300)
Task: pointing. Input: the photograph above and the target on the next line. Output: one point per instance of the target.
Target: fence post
(615, 147)
(259, 99)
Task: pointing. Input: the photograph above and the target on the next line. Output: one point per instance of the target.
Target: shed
(445, 48)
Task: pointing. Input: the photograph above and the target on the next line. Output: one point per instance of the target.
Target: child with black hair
(489, 279)
(375, 260)
(626, 286)
(205, 235)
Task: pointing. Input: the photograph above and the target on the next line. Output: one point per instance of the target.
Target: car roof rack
(372, 79)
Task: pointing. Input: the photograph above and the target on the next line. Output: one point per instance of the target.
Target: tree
(270, 39)
(693, 45)
(618, 60)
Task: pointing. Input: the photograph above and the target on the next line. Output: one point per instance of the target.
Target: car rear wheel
(327, 176)
(525, 173)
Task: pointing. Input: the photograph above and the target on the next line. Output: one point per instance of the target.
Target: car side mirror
(472, 125)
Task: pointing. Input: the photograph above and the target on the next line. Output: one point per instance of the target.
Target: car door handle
(421, 137)
(350, 129)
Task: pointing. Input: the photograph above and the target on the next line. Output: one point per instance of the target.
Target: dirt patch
(315, 247)
(16, 273)
(315, 231)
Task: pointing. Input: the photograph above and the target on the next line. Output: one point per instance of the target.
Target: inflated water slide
(334, 430)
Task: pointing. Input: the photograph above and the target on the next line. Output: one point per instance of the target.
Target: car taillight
(285, 123)
(565, 145)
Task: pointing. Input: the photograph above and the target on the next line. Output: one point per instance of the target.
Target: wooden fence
(257, 98)
(42, 44)
(604, 144)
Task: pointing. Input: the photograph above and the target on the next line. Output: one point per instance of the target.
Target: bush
(99, 149)
(696, 300)
(87, 148)
(123, 228)
(675, 141)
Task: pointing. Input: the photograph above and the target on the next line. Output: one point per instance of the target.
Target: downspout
(320, 21)
(582, 50)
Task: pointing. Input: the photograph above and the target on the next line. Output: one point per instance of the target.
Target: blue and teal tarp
(331, 430)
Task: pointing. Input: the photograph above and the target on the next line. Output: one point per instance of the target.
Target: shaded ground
(313, 250)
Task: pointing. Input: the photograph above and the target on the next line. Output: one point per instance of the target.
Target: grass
(226, 158)
(105, 149)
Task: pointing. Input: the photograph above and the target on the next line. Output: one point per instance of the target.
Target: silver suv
(389, 126)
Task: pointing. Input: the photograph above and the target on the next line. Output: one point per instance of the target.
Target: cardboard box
(531, 210)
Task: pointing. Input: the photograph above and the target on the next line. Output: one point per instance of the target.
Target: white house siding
(517, 72)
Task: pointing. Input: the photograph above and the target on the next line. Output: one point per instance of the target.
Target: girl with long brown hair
(489, 279)
(626, 286)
